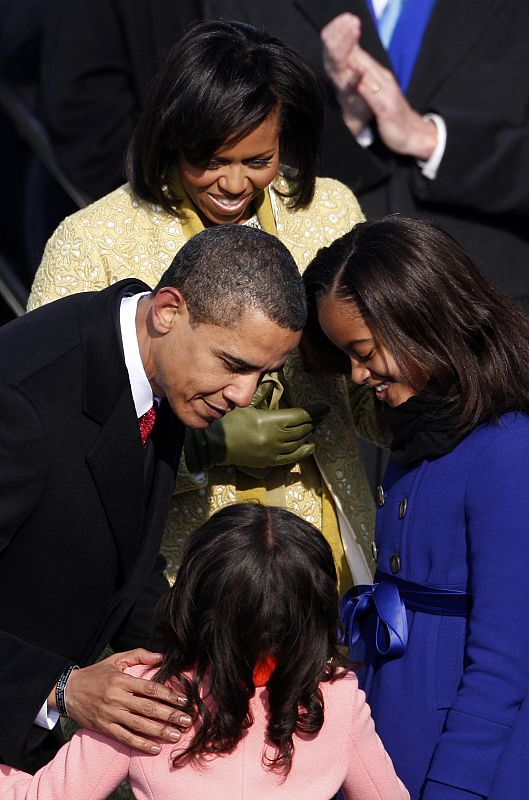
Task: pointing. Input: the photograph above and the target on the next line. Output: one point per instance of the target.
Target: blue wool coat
(446, 709)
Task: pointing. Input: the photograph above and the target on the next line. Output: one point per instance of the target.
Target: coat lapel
(120, 489)
(453, 29)
(107, 400)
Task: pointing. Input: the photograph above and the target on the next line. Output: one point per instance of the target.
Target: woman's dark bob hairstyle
(220, 81)
(255, 581)
(439, 317)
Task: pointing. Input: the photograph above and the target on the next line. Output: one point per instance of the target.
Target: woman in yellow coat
(231, 107)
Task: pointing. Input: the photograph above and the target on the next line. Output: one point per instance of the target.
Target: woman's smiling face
(224, 189)
(371, 363)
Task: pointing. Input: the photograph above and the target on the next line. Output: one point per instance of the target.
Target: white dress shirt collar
(142, 393)
(379, 6)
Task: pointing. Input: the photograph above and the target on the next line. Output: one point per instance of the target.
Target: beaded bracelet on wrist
(60, 689)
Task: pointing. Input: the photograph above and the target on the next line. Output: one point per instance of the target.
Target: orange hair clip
(263, 670)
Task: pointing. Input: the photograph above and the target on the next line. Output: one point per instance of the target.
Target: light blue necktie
(388, 20)
(401, 28)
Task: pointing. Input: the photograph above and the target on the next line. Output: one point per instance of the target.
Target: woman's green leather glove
(254, 437)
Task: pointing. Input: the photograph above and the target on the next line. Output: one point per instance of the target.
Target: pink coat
(346, 752)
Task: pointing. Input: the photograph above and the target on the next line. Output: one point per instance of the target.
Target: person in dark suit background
(84, 503)
(469, 69)
(98, 58)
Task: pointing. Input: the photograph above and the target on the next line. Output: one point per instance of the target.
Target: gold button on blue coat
(394, 563)
(403, 507)
(380, 495)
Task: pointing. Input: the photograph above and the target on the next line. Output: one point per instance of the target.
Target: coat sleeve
(72, 260)
(27, 672)
(23, 460)
(139, 629)
(494, 682)
(370, 772)
(89, 767)
(483, 166)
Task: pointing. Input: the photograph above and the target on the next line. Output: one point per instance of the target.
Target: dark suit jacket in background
(98, 59)
(80, 527)
(472, 70)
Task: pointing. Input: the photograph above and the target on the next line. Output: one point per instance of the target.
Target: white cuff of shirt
(366, 137)
(47, 718)
(430, 167)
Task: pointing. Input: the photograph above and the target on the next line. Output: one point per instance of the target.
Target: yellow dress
(121, 236)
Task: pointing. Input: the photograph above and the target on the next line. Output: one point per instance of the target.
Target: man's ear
(167, 309)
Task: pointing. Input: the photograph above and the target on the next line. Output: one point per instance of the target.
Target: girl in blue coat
(445, 627)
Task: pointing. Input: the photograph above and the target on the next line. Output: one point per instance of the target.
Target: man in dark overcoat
(95, 391)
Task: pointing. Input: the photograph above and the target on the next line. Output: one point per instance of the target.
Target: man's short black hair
(227, 269)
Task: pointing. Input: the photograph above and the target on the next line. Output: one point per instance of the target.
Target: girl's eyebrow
(354, 342)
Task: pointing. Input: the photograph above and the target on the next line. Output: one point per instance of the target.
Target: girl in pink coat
(251, 636)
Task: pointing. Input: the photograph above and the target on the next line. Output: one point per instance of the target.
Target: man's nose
(241, 391)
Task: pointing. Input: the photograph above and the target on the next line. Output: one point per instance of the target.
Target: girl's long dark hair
(422, 296)
(254, 581)
(220, 81)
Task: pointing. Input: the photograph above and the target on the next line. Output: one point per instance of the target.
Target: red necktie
(146, 423)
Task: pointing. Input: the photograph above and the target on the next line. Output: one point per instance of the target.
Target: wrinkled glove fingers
(296, 434)
(292, 417)
(263, 392)
(287, 448)
(298, 455)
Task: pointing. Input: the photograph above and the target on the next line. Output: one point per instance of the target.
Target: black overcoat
(80, 517)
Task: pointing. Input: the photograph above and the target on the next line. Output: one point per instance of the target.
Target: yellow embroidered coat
(121, 236)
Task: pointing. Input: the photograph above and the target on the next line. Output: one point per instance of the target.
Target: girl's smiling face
(371, 362)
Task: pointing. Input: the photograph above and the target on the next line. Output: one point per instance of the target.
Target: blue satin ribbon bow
(391, 627)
